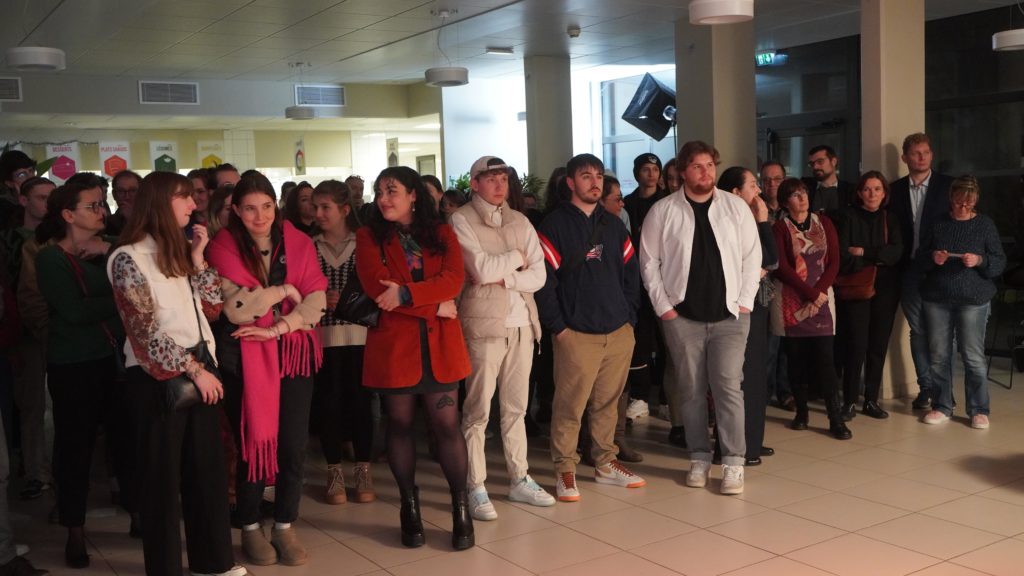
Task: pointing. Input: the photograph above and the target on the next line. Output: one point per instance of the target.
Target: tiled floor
(900, 498)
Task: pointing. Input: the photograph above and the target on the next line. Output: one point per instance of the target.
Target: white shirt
(918, 192)
(666, 242)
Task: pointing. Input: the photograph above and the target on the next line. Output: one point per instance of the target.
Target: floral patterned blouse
(164, 358)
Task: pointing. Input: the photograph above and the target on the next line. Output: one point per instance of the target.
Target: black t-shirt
(705, 286)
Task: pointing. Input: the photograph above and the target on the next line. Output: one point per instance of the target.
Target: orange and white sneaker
(616, 474)
(566, 487)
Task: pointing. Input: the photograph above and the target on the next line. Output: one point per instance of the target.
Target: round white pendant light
(35, 58)
(1008, 40)
(446, 76)
(708, 12)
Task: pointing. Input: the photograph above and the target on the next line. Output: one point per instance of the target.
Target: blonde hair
(964, 189)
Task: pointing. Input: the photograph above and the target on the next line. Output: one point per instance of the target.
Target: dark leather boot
(872, 409)
(836, 424)
(462, 523)
(412, 524)
(799, 421)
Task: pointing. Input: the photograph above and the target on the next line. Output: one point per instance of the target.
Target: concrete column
(715, 89)
(892, 106)
(548, 113)
(892, 80)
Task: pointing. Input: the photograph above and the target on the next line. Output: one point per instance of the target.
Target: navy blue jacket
(603, 292)
(936, 205)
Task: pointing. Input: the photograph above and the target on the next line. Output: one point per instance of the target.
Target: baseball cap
(486, 164)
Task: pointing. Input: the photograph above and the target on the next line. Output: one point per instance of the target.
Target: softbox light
(652, 109)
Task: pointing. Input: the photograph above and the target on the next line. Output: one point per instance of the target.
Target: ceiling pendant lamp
(1008, 40)
(708, 12)
(445, 76)
(36, 59)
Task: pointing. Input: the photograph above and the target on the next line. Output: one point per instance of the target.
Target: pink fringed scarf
(301, 353)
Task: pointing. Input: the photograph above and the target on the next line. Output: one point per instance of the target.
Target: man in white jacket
(700, 259)
(504, 267)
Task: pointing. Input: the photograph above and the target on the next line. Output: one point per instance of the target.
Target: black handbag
(180, 392)
(354, 305)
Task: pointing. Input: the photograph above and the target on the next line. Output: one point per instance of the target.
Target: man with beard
(700, 258)
(828, 193)
(589, 304)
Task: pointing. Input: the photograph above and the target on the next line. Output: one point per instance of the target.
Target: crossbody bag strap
(80, 277)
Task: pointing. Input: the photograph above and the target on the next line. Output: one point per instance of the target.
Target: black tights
(443, 419)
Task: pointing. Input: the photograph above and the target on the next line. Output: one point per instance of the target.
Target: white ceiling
(382, 41)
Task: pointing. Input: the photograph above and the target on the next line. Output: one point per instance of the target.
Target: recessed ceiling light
(500, 50)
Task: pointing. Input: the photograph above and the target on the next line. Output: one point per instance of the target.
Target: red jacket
(392, 357)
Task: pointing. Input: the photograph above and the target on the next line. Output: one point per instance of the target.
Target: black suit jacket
(936, 203)
(846, 195)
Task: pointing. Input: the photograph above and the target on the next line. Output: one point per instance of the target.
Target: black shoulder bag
(181, 392)
(354, 305)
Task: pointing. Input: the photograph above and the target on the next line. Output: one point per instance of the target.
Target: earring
(414, 208)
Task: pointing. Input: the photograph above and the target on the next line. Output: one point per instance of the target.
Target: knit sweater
(953, 283)
(338, 263)
(76, 327)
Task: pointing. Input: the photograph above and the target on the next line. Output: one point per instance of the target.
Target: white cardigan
(666, 242)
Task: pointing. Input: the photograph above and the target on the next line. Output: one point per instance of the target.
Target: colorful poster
(115, 157)
(392, 151)
(66, 161)
(164, 155)
(300, 157)
(210, 153)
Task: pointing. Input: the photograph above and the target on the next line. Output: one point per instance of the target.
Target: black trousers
(866, 326)
(292, 435)
(542, 375)
(181, 453)
(810, 361)
(344, 404)
(85, 396)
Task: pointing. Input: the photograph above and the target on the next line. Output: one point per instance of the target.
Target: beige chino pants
(503, 362)
(590, 373)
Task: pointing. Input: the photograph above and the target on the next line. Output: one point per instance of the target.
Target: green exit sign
(765, 58)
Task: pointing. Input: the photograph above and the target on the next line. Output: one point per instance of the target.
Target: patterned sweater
(338, 263)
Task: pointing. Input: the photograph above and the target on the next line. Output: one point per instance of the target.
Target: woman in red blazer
(409, 261)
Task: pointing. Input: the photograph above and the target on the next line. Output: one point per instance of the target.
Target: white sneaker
(235, 571)
(698, 475)
(529, 492)
(566, 488)
(935, 417)
(732, 479)
(480, 507)
(979, 422)
(616, 474)
(637, 409)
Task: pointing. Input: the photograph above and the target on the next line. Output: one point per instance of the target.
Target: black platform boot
(412, 524)
(462, 522)
(836, 424)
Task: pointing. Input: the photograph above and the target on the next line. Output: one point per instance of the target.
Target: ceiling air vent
(10, 89)
(327, 95)
(168, 93)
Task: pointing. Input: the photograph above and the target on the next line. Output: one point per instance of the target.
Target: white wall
(482, 119)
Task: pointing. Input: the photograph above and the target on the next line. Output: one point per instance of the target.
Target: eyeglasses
(126, 191)
(24, 174)
(967, 204)
(817, 162)
(776, 180)
(95, 207)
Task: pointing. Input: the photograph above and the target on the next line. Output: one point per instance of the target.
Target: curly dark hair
(426, 221)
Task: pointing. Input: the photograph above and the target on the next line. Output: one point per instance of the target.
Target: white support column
(715, 89)
(548, 113)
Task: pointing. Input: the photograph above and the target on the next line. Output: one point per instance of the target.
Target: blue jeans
(969, 323)
(919, 341)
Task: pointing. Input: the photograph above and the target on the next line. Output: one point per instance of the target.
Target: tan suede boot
(364, 483)
(290, 550)
(335, 485)
(256, 548)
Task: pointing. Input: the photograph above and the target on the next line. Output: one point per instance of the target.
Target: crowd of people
(207, 326)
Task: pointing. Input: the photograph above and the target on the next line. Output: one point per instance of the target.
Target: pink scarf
(301, 352)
